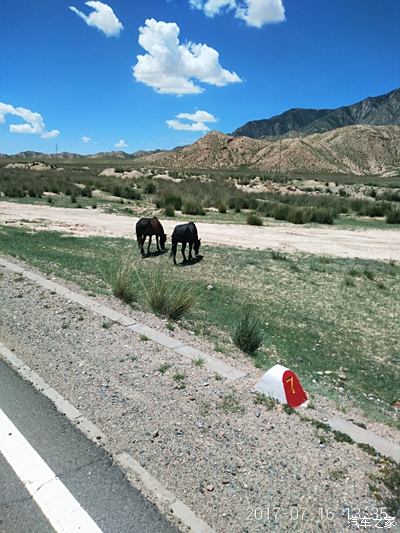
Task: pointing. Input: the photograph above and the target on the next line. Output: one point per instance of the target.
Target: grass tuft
(168, 298)
(247, 333)
(124, 281)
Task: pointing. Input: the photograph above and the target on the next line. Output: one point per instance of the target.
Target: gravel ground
(204, 438)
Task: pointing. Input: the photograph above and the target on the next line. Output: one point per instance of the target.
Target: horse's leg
(141, 244)
(190, 251)
(183, 251)
(158, 246)
(148, 247)
(173, 251)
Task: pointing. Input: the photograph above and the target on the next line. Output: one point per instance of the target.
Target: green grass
(312, 320)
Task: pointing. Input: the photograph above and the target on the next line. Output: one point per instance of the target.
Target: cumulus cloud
(195, 121)
(33, 122)
(121, 144)
(86, 139)
(102, 17)
(255, 13)
(170, 67)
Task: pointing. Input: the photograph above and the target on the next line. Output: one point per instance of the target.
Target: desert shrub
(254, 220)
(221, 206)
(168, 298)
(296, 215)
(390, 196)
(169, 210)
(278, 256)
(322, 216)
(86, 192)
(247, 333)
(193, 208)
(170, 199)
(49, 200)
(281, 212)
(150, 188)
(374, 209)
(124, 281)
(130, 193)
(73, 199)
(393, 217)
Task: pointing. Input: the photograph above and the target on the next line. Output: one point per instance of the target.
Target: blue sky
(273, 55)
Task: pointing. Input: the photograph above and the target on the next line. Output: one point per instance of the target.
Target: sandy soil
(365, 244)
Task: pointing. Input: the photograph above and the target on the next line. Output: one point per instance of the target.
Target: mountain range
(360, 150)
(362, 139)
(381, 110)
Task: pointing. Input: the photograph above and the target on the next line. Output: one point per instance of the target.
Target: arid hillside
(359, 150)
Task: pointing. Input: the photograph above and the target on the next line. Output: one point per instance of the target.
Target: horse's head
(197, 246)
(163, 240)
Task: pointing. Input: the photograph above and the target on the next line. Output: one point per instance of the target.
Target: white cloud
(121, 144)
(102, 17)
(196, 121)
(33, 124)
(213, 7)
(255, 13)
(170, 67)
(86, 139)
(50, 134)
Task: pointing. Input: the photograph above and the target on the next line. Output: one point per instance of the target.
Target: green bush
(193, 208)
(322, 216)
(221, 207)
(254, 220)
(169, 210)
(393, 217)
(170, 199)
(247, 333)
(150, 188)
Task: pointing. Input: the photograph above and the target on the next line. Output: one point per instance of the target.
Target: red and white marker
(282, 384)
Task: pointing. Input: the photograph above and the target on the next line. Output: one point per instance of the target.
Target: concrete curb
(126, 462)
(212, 364)
(363, 436)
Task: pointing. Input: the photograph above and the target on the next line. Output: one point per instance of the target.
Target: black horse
(186, 234)
(147, 227)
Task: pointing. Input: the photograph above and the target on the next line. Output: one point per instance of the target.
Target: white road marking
(57, 504)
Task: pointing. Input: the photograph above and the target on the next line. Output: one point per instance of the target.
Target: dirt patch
(365, 244)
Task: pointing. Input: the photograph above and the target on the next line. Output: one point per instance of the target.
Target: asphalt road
(85, 469)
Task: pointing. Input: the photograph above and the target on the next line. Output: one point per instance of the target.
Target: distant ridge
(373, 111)
(359, 150)
(69, 155)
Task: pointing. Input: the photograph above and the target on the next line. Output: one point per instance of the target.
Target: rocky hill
(360, 150)
(375, 111)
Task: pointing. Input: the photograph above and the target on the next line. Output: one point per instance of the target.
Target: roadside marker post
(283, 385)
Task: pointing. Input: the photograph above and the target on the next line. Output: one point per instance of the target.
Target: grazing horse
(186, 234)
(147, 227)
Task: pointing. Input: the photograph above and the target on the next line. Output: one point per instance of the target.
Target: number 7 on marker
(291, 381)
